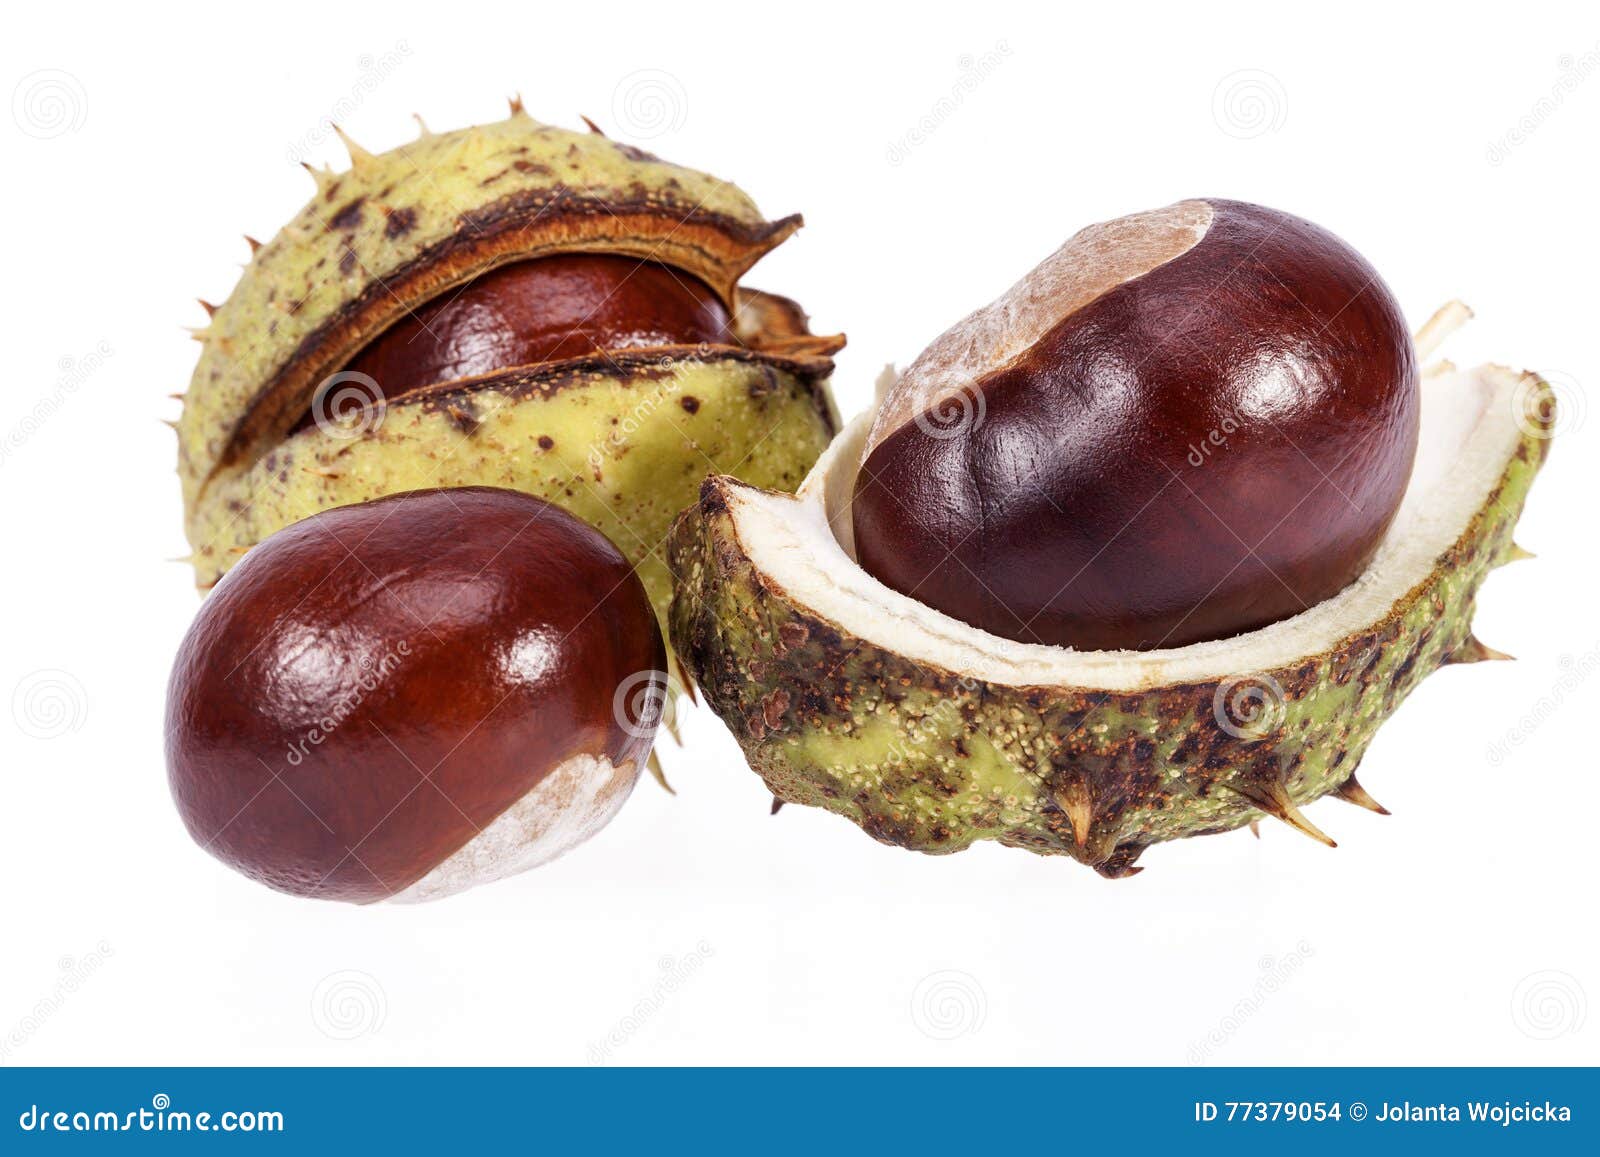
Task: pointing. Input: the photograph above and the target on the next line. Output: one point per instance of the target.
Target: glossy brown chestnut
(406, 697)
(1184, 425)
(543, 310)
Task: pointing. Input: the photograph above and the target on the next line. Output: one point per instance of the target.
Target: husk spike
(1073, 799)
(1275, 800)
(1351, 791)
(654, 764)
(1474, 650)
(360, 159)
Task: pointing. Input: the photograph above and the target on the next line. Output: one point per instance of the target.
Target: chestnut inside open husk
(406, 697)
(545, 310)
(1184, 425)
(511, 304)
(934, 735)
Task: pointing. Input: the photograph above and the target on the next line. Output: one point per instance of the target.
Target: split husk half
(932, 735)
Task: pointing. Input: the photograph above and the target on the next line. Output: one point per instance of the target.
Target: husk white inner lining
(1469, 430)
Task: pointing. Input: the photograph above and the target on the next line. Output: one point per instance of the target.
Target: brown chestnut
(404, 698)
(543, 310)
(1183, 425)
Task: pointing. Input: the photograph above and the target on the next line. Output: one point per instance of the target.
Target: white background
(1457, 152)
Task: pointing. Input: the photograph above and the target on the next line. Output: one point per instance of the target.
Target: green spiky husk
(932, 760)
(622, 440)
(401, 227)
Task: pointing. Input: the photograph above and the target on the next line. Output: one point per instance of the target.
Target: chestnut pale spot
(1093, 262)
(561, 811)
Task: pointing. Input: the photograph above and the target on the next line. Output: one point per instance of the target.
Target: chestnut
(406, 697)
(1183, 425)
(543, 310)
